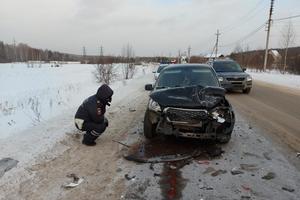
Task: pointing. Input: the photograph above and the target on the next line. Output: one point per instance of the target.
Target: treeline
(255, 59)
(23, 53)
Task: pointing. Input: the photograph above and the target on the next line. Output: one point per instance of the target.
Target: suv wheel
(223, 139)
(247, 90)
(149, 128)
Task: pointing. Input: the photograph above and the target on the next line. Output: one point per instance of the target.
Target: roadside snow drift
(277, 78)
(30, 96)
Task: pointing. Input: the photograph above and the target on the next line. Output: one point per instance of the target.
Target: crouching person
(90, 115)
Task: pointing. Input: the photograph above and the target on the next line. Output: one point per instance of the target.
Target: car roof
(224, 60)
(179, 66)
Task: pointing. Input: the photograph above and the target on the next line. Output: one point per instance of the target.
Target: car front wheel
(149, 128)
(247, 90)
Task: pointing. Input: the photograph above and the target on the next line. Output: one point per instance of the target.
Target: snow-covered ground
(30, 96)
(275, 77)
(37, 105)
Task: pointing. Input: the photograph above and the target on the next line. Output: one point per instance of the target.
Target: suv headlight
(154, 106)
(249, 78)
(221, 79)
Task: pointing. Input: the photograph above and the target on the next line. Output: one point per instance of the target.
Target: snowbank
(30, 96)
(275, 77)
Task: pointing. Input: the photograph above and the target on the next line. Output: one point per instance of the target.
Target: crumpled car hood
(189, 97)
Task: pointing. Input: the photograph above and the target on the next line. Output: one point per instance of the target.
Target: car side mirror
(244, 69)
(149, 87)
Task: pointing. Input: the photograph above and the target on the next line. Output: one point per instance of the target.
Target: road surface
(275, 109)
(248, 167)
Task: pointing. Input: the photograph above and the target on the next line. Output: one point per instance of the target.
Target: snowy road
(276, 109)
(251, 166)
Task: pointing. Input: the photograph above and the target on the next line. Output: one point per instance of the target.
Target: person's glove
(106, 122)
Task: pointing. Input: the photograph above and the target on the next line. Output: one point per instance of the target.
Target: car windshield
(161, 67)
(186, 76)
(227, 67)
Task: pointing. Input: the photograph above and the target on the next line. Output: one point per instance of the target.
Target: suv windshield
(161, 67)
(227, 66)
(186, 76)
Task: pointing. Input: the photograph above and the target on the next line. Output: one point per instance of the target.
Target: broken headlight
(218, 115)
(154, 106)
(249, 78)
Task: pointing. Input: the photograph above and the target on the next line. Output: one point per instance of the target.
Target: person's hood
(104, 92)
(189, 97)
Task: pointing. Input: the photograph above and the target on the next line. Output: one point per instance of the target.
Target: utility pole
(217, 42)
(101, 60)
(189, 53)
(15, 50)
(84, 54)
(268, 34)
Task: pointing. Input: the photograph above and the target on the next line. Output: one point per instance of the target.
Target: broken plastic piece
(288, 189)
(205, 162)
(269, 176)
(236, 171)
(76, 181)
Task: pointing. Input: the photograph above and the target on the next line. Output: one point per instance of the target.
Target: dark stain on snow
(175, 153)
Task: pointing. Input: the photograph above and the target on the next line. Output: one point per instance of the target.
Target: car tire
(223, 139)
(149, 128)
(247, 90)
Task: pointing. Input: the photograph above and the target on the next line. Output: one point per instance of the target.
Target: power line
(245, 18)
(245, 37)
(285, 18)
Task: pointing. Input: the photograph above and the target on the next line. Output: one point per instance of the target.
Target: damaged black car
(187, 101)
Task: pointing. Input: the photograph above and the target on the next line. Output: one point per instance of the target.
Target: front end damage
(193, 112)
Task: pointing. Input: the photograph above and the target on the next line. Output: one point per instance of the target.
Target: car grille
(192, 116)
(235, 79)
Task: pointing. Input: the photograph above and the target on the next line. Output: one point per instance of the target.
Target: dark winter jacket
(93, 108)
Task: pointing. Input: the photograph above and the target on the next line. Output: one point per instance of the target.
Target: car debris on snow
(267, 155)
(245, 197)
(246, 188)
(132, 109)
(287, 188)
(76, 181)
(121, 143)
(128, 178)
(7, 164)
(209, 170)
(218, 172)
(249, 167)
(269, 176)
(204, 162)
(236, 171)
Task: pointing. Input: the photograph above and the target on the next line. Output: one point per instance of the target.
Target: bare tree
(104, 73)
(128, 60)
(288, 37)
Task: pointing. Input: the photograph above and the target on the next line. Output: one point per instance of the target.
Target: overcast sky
(152, 27)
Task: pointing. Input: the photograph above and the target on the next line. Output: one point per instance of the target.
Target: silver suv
(232, 76)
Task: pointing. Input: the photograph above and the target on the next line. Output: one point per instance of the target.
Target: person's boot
(89, 139)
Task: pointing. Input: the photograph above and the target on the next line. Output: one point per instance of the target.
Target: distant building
(276, 57)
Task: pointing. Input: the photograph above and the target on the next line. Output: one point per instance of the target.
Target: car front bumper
(195, 123)
(236, 85)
